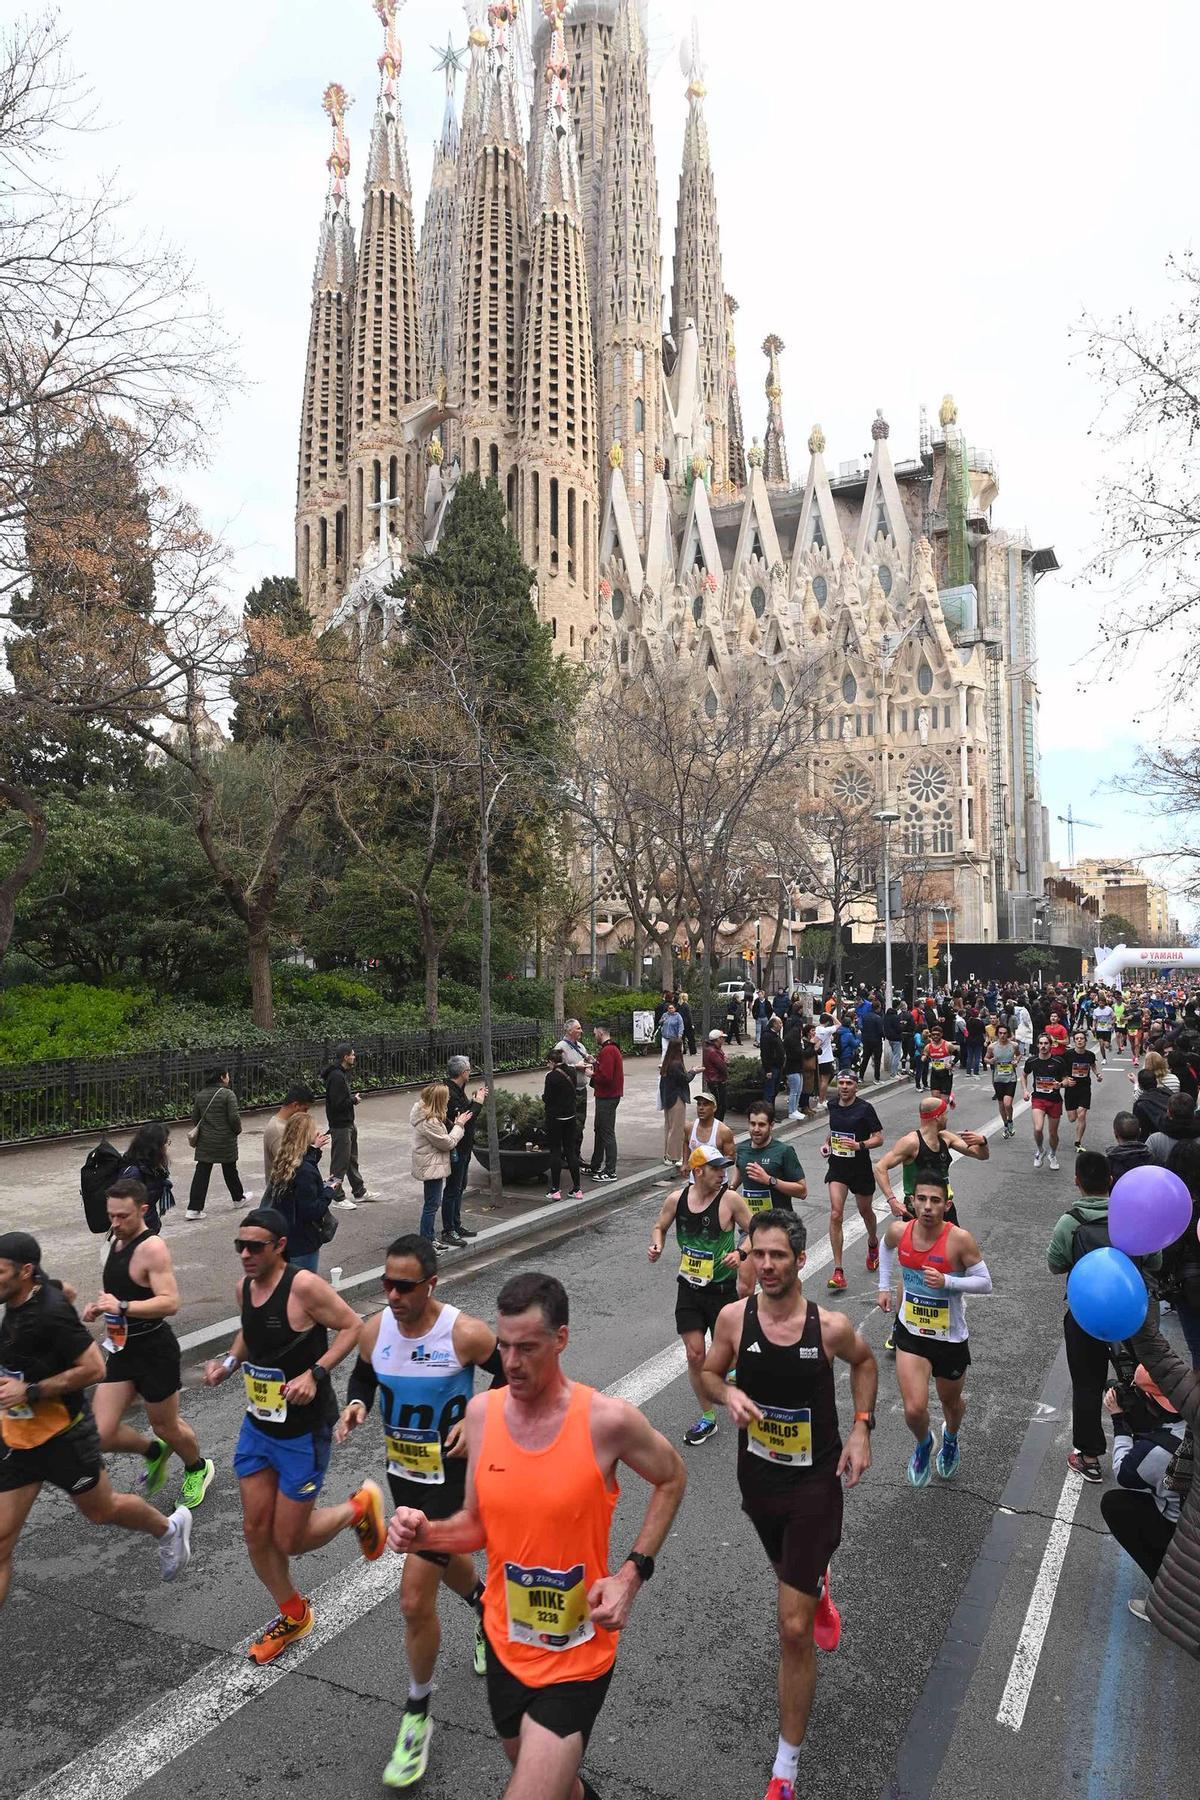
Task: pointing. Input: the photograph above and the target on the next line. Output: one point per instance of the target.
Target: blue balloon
(1107, 1296)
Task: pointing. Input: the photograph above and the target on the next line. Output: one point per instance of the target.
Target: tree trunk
(639, 939)
(485, 996)
(560, 982)
(705, 970)
(666, 967)
(837, 956)
(262, 1001)
(432, 952)
(22, 873)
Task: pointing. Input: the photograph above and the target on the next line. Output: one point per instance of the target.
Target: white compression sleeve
(887, 1263)
(975, 1281)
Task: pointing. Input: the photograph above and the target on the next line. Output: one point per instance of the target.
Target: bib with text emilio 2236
(697, 1270)
(926, 1314)
(547, 1607)
(416, 1456)
(782, 1435)
(264, 1394)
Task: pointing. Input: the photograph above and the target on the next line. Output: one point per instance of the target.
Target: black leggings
(562, 1141)
(199, 1192)
(1138, 1526)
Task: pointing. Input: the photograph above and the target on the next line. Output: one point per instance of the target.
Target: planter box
(517, 1166)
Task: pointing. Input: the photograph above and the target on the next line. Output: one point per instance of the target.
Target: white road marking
(1041, 1604)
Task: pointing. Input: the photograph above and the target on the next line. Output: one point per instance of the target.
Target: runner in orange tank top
(552, 1610)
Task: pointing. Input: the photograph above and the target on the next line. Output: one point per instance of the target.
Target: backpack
(1090, 1234)
(100, 1169)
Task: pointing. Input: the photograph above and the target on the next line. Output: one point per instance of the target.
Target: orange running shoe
(837, 1281)
(276, 1638)
(872, 1256)
(827, 1622)
(370, 1529)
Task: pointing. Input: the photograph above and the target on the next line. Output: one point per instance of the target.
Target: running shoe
(780, 1789)
(196, 1483)
(155, 1471)
(447, 1243)
(1052, 1159)
(554, 1194)
(464, 1231)
(460, 1238)
(1139, 1610)
(576, 1194)
(949, 1456)
(479, 1655)
(701, 1431)
(175, 1549)
(827, 1621)
(370, 1529)
(889, 1342)
(1078, 1148)
(410, 1758)
(606, 1178)
(837, 1281)
(346, 1204)
(1087, 1466)
(919, 1470)
(873, 1256)
(191, 1213)
(1037, 1159)
(279, 1634)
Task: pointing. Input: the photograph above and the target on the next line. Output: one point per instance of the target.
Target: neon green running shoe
(411, 1755)
(155, 1471)
(480, 1659)
(196, 1483)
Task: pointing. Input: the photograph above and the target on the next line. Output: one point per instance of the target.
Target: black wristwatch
(33, 1394)
(319, 1372)
(643, 1564)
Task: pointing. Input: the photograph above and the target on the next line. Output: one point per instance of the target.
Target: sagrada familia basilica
(525, 336)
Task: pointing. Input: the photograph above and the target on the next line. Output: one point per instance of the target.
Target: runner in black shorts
(706, 1213)
(790, 1453)
(1001, 1058)
(139, 1297)
(47, 1360)
(1079, 1066)
(854, 1131)
(940, 1058)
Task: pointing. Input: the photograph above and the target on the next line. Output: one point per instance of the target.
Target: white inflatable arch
(1114, 963)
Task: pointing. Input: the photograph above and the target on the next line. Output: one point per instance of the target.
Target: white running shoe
(191, 1213)
(1052, 1159)
(346, 1204)
(175, 1549)
(1037, 1159)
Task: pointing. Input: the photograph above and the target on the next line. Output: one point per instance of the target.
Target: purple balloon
(1150, 1207)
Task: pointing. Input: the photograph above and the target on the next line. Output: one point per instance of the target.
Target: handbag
(193, 1136)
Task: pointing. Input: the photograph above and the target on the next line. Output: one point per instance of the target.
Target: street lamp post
(949, 957)
(887, 817)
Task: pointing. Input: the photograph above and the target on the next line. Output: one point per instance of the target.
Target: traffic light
(932, 953)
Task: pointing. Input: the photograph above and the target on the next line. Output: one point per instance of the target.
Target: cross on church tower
(385, 537)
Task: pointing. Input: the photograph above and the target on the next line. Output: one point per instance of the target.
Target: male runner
(854, 1129)
(422, 1356)
(939, 1263)
(1079, 1065)
(771, 1176)
(541, 1488)
(1001, 1058)
(708, 1130)
(940, 1058)
(1119, 1024)
(706, 1213)
(139, 1296)
(926, 1151)
(790, 1453)
(1102, 1025)
(1046, 1072)
(285, 1356)
(47, 1359)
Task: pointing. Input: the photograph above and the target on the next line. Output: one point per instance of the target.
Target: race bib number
(1044, 1085)
(22, 1410)
(264, 1394)
(696, 1269)
(757, 1199)
(841, 1145)
(547, 1607)
(782, 1435)
(1082, 1071)
(939, 1062)
(926, 1315)
(116, 1332)
(416, 1456)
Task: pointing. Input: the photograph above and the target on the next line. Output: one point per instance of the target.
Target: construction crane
(1070, 821)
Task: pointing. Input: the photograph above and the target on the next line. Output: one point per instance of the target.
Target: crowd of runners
(527, 1469)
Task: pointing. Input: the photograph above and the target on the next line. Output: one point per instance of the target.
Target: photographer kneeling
(1142, 1511)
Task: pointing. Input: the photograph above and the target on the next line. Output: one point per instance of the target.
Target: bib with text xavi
(782, 1435)
(264, 1394)
(696, 1269)
(547, 1607)
(416, 1456)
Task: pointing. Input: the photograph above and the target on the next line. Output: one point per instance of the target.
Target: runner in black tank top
(271, 1343)
(142, 1350)
(790, 1453)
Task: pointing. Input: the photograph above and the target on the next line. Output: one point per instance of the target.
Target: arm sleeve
(975, 1281)
(494, 1367)
(362, 1384)
(887, 1263)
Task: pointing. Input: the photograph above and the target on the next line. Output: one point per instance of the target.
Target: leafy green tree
(276, 605)
(1117, 929)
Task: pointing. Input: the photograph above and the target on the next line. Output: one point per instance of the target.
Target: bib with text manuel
(264, 1394)
(547, 1607)
(416, 1456)
(782, 1435)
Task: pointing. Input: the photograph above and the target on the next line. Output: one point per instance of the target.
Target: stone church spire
(495, 272)
(387, 372)
(558, 508)
(628, 307)
(775, 462)
(698, 290)
(436, 263)
(321, 486)
(737, 432)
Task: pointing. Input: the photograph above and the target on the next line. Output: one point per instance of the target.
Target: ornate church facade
(524, 339)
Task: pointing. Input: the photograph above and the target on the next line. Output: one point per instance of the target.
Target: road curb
(513, 1234)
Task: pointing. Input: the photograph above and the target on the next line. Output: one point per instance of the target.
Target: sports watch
(865, 1418)
(642, 1563)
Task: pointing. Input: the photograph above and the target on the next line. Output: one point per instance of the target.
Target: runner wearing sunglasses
(284, 1352)
(421, 1356)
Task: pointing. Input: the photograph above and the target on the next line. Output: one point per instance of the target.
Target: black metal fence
(47, 1100)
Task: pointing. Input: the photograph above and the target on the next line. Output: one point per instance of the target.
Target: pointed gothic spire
(437, 255)
(558, 510)
(775, 463)
(588, 43)
(698, 290)
(628, 330)
(320, 495)
(737, 432)
(387, 364)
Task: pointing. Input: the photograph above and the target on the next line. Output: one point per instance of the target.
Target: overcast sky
(916, 199)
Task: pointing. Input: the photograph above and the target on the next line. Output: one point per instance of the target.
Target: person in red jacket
(608, 1084)
(716, 1070)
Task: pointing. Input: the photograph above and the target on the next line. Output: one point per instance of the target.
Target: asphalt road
(111, 1684)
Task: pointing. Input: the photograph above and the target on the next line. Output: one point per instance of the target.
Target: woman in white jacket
(432, 1142)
